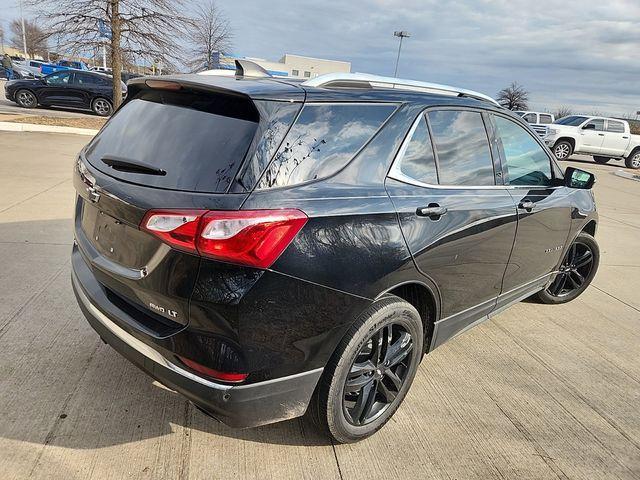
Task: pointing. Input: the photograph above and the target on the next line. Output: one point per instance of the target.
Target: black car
(66, 88)
(263, 246)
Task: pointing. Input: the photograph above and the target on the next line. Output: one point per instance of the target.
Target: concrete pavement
(537, 392)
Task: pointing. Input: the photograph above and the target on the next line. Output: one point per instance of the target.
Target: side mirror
(589, 126)
(576, 178)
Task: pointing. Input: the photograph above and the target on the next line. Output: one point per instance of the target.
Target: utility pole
(402, 34)
(24, 34)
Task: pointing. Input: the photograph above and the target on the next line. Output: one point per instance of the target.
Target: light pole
(402, 34)
(24, 35)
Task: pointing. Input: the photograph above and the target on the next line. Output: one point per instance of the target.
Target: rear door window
(197, 139)
(615, 127)
(322, 141)
(462, 148)
(544, 118)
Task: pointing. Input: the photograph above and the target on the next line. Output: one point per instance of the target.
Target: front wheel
(576, 272)
(562, 150)
(601, 160)
(633, 160)
(102, 107)
(371, 371)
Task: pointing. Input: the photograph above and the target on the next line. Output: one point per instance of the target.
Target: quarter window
(323, 140)
(526, 161)
(418, 161)
(462, 148)
(615, 127)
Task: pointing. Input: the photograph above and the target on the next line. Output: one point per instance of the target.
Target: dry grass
(88, 122)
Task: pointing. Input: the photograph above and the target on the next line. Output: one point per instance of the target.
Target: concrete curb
(32, 127)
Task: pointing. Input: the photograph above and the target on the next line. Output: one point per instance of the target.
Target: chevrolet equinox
(266, 247)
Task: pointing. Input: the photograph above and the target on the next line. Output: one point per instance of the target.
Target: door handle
(526, 205)
(601, 134)
(433, 211)
(625, 137)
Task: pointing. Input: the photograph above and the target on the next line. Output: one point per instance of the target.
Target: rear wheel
(102, 107)
(371, 371)
(598, 159)
(576, 271)
(562, 150)
(633, 160)
(26, 99)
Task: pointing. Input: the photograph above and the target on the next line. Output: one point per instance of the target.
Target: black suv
(265, 246)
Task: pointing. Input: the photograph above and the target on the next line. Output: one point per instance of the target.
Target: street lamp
(402, 34)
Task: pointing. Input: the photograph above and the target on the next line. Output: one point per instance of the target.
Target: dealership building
(290, 65)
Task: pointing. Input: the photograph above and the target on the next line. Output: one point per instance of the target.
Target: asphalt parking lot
(537, 392)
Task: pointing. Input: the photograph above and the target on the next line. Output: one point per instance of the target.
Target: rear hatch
(167, 148)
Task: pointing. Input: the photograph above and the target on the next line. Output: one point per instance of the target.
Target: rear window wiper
(131, 166)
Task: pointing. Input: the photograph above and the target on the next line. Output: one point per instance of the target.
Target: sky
(582, 54)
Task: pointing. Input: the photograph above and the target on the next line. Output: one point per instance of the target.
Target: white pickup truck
(603, 138)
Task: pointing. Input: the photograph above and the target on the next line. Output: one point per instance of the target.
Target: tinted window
(84, 79)
(323, 140)
(462, 147)
(59, 78)
(199, 140)
(527, 163)
(596, 124)
(418, 161)
(545, 118)
(572, 120)
(530, 118)
(617, 127)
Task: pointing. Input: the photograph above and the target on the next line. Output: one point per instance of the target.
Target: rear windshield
(180, 141)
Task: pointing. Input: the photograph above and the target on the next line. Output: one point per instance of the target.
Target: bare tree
(35, 36)
(211, 34)
(134, 30)
(563, 111)
(514, 97)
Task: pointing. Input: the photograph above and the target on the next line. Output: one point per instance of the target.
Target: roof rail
(365, 80)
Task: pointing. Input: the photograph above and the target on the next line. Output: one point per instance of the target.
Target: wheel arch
(590, 228)
(571, 141)
(425, 301)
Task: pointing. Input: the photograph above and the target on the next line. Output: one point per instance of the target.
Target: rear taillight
(247, 237)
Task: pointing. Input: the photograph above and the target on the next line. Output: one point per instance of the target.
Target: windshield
(572, 120)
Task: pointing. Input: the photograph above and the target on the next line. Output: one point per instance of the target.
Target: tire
(554, 293)
(633, 160)
(601, 160)
(26, 98)
(333, 408)
(102, 107)
(562, 150)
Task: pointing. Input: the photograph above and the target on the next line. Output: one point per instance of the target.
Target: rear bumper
(238, 406)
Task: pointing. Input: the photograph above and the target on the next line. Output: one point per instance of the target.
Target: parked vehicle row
(601, 137)
(343, 229)
(67, 88)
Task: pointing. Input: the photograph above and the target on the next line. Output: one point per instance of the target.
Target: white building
(296, 66)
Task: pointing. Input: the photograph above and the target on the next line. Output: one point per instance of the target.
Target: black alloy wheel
(575, 273)
(377, 374)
